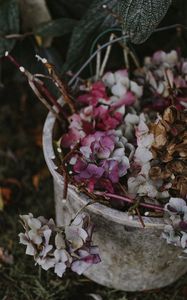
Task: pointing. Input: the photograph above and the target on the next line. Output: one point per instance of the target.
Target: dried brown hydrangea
(170, 150)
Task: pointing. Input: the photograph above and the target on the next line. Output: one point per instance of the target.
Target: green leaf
(68, 8)
(94, 22)
(141, 17)
(9, 24)
(56, 28)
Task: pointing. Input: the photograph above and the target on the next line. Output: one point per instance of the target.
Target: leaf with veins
(141, 17)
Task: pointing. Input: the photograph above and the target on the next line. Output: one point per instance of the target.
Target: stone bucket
(133, 258)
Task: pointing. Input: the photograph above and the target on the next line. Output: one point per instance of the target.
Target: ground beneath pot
(26, 186)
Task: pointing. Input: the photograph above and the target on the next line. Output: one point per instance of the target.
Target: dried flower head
(60, 248)
(170, 150)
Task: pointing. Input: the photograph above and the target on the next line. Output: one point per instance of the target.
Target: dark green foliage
(9, 24)
(95, 20)
(56, 28)
(68, 8)
(141, 17)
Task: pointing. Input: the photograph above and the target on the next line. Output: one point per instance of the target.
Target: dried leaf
(1, 201)
(6, 194)
(41, 175)
(170, 151)
(95, 296)
(5, 257)
(37, 135)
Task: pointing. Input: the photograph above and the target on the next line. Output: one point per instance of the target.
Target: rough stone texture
(133, 258)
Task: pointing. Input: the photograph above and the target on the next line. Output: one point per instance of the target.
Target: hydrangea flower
(162, 71)
(141, 184)
(170, 236)
(72, 247)
(86, 258)
(102, 156)
(96, 93)
(176, 217)
(177, 206)
(120, 85)
(37, 233)
(103, 108)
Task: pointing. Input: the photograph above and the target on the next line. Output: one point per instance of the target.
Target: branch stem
(38, 88)
(128, 200)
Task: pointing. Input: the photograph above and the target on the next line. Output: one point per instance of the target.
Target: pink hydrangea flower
(96, 93)
(102, 160)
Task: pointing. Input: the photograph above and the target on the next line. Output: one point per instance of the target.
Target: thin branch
(15, 36)
(98, 63)
(134, 58)
(68, 156)
(37, 86)
(43, 100)
(128, 200)
(140, 217)
(92, 56)
(66, 180)
(128, 52)
(58, 82)
(106, 57)
(115, 41)
(125, 54)
(170, 27)
(41, 86)
(64, 169)
(42, 76)
(81, 210)
(96, 41)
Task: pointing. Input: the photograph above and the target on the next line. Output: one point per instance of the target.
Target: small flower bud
(22, 69)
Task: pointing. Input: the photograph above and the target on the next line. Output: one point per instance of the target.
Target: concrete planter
(133, 258)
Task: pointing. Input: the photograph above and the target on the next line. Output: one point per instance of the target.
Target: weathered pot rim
(107, 212)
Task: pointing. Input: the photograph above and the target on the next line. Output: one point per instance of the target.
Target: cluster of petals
(104, 105)
(162, 72)
(140, 184)
(60, 248)
(175, 231)
(102, 160)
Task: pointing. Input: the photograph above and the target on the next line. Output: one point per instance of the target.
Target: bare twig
(41, 86)
(92, 56)
(98, 63)
(16, 36)
(106, 57)
(128, 200)
(115, 41)
(68, 156)
(128, 52)
(170, 27)
(140, 217)
(126, 58)
(66, 180)
(37, 86)
(134, 58)
(63, 168)
(58, 82)
(81, 210)
(43, 100)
